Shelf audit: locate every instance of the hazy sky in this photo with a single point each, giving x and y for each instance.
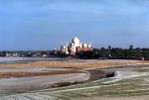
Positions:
(44, 24)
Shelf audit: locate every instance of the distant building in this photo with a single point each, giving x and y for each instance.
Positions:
(75, 47)
(12, 54)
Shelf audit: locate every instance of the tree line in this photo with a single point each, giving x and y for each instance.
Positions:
(116, 53)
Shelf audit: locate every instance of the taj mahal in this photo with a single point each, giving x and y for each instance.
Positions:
(75, 47)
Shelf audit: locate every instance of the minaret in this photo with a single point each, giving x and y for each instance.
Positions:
(67, 52)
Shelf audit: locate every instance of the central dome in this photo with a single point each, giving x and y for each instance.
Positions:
(76, 41)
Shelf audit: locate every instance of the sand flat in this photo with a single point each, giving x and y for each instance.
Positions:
(44, 82)
(38, 82)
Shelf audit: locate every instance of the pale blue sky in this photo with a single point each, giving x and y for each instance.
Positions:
(44, 24)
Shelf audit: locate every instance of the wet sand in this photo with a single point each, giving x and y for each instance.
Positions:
(24, 84)
(58, 78)
(144, 97)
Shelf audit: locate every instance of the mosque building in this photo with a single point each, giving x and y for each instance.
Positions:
(75, 47)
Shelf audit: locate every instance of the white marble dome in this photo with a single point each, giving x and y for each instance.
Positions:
(84, 45)
(76, 41)
(90, 45)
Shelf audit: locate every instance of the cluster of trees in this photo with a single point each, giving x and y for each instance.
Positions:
(116, 53)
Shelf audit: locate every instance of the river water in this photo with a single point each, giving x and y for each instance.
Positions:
(14, 60)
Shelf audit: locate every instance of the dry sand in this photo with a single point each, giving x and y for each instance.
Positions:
(30, 74)
(75, 64)
(16, 79)
(19, 70)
